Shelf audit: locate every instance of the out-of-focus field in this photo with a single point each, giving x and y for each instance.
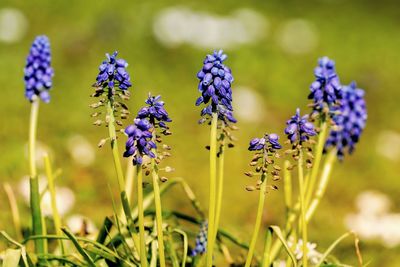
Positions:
(273, 70)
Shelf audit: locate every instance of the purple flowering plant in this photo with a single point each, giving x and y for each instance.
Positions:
(142, 231)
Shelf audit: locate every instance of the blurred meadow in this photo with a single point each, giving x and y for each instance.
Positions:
(272, 48)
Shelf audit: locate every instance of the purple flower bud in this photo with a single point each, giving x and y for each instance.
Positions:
(38, 72)
(299, 129)
(215, 83)
(350, 119)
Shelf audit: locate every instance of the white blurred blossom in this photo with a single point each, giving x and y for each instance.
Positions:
(41, 149)
(13, 25)
(374, 221)
(65, 197)
(297, 36)
(180, 25)
(388, 145)
(81, 150)
(78, 223)
(248, 104)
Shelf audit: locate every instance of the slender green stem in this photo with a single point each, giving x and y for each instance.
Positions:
(157, 202)
(34, 181)
(260, 209)
(287, 182)
(14, 210)
(114, 146)
(213, 184)
(320, 191)
(52, 191)
(267, 249)
(317, 162)
(220, 184)
(143, 258)
(303, 208)
(130, 179)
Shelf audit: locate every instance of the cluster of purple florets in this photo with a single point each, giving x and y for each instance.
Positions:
(113, 73)
(215, 87)
(299, 129)
(350, 120)
(326, 89)
(139, 141)
(155, 111)
(269, 141)
(140, 134)
(201, 240)
(38, 72)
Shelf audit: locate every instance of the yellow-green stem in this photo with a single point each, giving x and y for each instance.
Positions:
(213, 183)
(157, 203)
(37, 227)
(317, 162)
(220, 184)
(14, 210)
(302, 208)
(143, 258)
(320, 191)
(130, 179)
(114, 146)
(52, 191)
(267, 249)
(260, 209)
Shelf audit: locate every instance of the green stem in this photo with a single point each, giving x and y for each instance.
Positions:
(157, 202)
(302, 207)
(260, 209)
(220, 184)
(52, 191)
(287, 188)
(130, 179)
(320, 191)
(317, 162)
(36, 212)
(267, 249)
(213, 178)
(114, 146)
(143, 258)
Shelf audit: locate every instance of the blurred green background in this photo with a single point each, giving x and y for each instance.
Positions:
(273, 47)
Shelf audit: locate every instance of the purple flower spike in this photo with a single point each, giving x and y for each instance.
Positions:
(269, 141)
(112, 73)
(215, 87)
(201, 240)
(139, 140)
(350, 119)
(299, 129)
(326, 89)
(38, 72)
(155, 112)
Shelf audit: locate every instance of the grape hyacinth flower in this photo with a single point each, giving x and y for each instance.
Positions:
(139, 141)
(155, 112)
(350, 121)
(326, 89)
(38, 72)
(261, 143)
(201, 240)
(215, 87)
(112, 73)
(263, 161)
(299, 129)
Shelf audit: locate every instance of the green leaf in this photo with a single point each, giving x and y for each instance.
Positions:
(331, 247)
(279, 234)
(12, 257)
(81, 251)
